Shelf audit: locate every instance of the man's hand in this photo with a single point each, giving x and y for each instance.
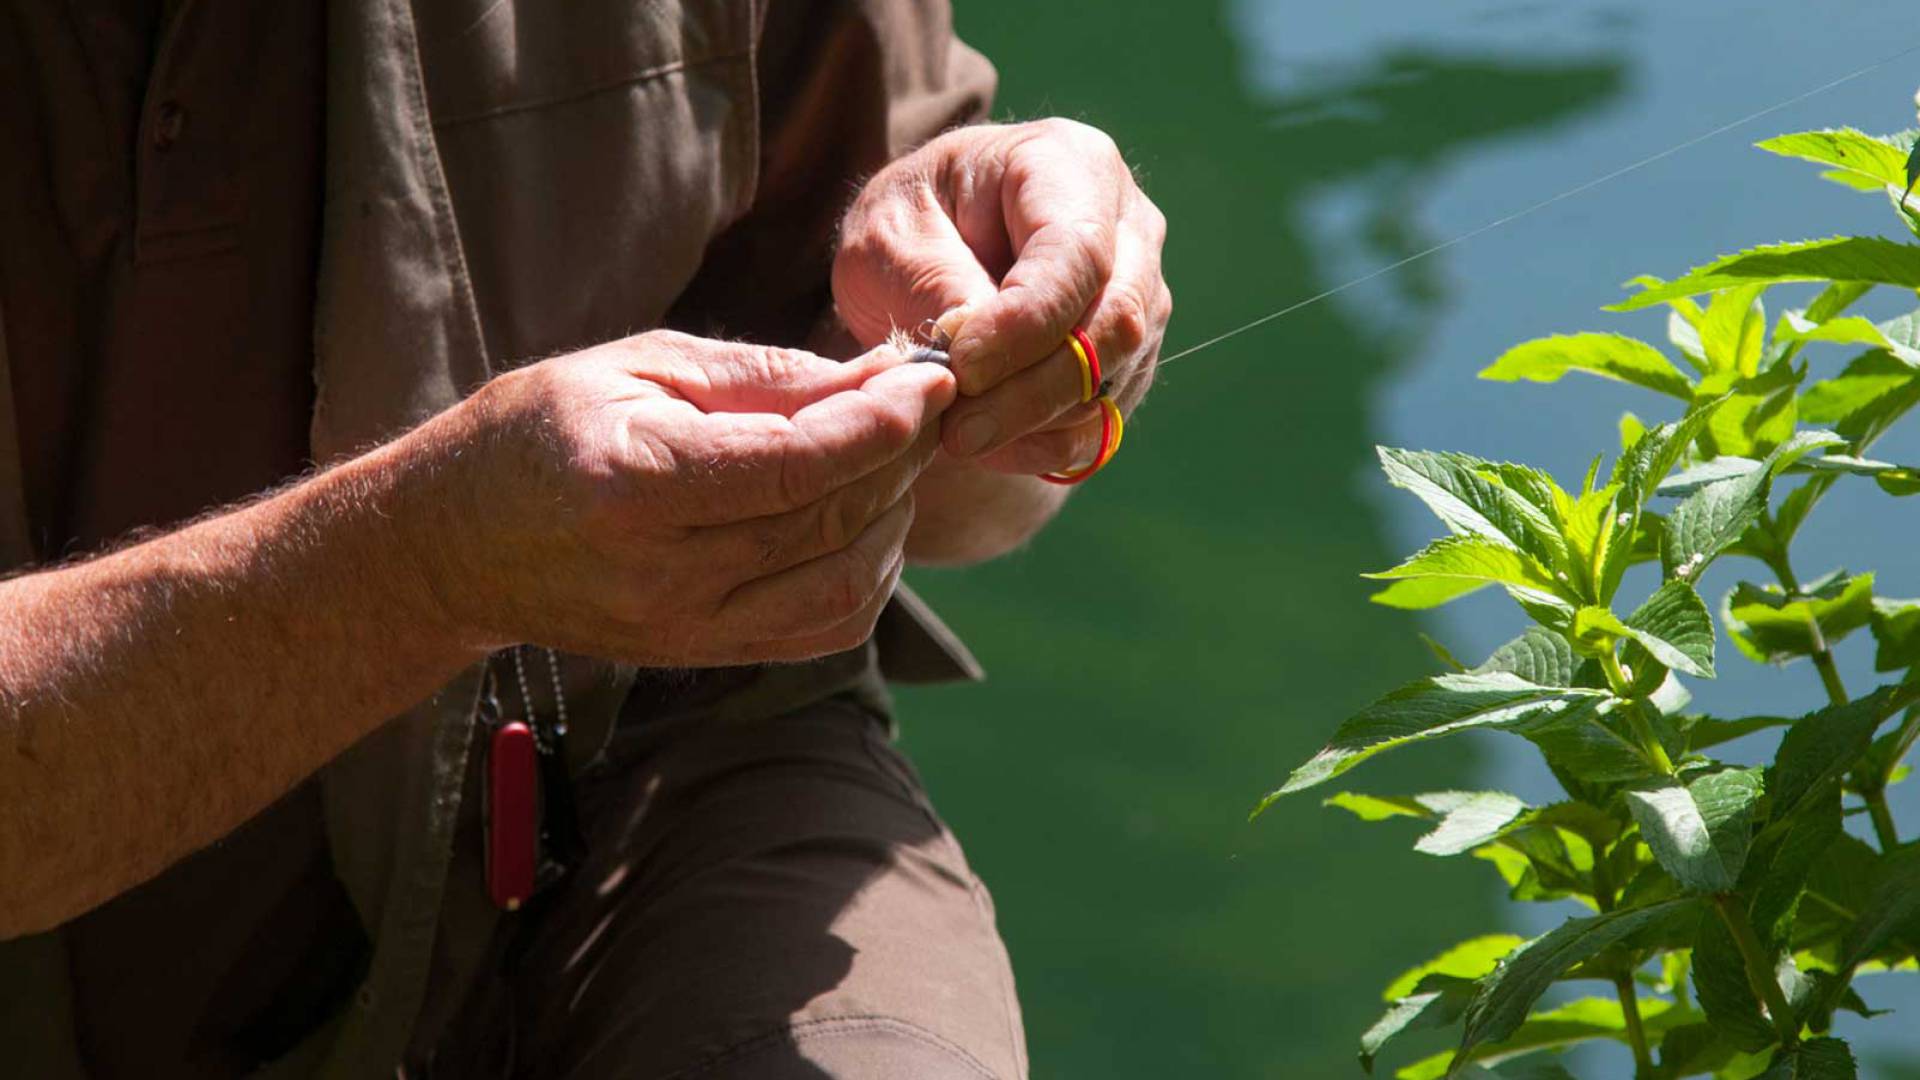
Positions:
(1038, 227)
(662, 500)
(674, 501)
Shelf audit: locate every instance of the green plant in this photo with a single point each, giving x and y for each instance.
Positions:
(1731, 910)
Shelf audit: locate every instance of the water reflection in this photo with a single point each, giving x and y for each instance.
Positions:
(1195, 626)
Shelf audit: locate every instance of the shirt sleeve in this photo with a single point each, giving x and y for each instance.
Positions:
(844, 87)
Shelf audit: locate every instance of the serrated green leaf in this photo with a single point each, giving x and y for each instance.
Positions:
(1538, 656)
(1683, 332)
(1874, 390)
(1840, 258)
(1781, 860)
(1472, 561)
(1771, 628)
(1838, 883)
(1631, 429)
(1853, 152)
(1611, 356)
(1896, 634)
(1734, 331)
(1469, 496)
(1433, 707)
(1468, 819)
(1846, 330)
(1418, 594)
(1699, 831)
(1705, 732)
(1518, 1070)
(1692, 1049)
(1438, 1003)
(1891, 910)
(1577, 1021)
(1759, 412)
(1377, 807)
(1506, 996)
(1711, 471)
(1673, 625)
(1598, 746)
(1814, 1059)
(1821, 747)
(1470, 959)
(1714, 517)
(1721, 985)
(1642, 467)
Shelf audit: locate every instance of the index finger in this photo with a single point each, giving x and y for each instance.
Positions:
(743, 465)
(1062, 196)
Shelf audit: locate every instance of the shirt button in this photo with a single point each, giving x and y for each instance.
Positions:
(168, 122)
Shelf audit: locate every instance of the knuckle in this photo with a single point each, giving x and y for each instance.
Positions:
(1129, 323)
(797, 478)
(1156, 220)
(837, 523)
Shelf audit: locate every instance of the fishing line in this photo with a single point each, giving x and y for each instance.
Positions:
(1541, 205)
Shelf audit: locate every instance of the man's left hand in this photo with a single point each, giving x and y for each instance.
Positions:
(1039, 228)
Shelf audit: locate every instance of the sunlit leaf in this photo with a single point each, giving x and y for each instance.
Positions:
(1673, 625)
(1758, 414)
(1471, 562)
(1611, 356)
(1437, 1002)
(1470, 959)
(1577, 1021)
(1538, 656)
(1433, 707)
(1699, 831)
(1508, 995)
(1712, 518)
(1840, 258)
(1771, 627)
(1470, 498)
(1846, 149)
(1896, 634)
(1734, 331)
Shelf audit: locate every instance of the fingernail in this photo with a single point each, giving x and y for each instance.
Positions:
(972, 434)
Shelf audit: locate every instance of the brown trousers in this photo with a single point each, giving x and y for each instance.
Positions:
(766, 898)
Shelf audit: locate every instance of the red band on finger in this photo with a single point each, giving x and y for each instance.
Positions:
(1093, 362)
(1112, 429)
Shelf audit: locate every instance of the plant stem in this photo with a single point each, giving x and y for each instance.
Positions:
(1760, 972)
(1884, 830)
(1874, 788)
(1636, 716)
(1822, 655)
(1636, 1033)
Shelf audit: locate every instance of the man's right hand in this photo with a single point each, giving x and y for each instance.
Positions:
(673, 501)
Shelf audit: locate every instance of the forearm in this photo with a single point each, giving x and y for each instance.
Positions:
(966, 514)
(153, 699)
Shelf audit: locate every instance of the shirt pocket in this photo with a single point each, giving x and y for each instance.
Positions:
(592, 148)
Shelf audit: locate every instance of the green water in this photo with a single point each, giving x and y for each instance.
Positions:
(1194, 626)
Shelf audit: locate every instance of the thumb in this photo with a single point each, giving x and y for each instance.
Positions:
(904, 271)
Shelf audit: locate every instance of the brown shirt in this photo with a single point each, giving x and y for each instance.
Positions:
(157, 260)
(159, 230)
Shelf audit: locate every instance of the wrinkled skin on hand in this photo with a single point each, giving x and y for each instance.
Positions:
(678, 502)
(1036, 228)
